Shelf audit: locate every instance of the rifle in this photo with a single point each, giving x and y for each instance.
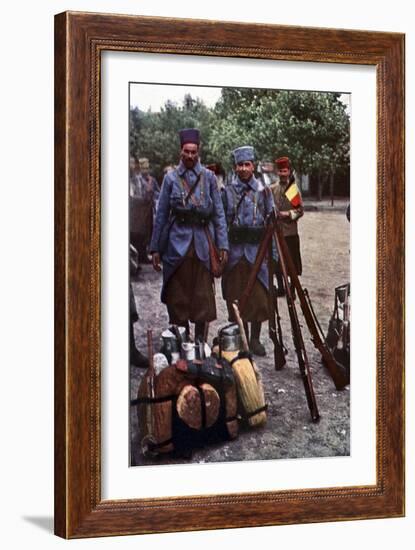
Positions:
(338, 377)
(262, 250)
(274, 231)
(279, 352)
(266, 245)
(277, 314)
(298, 338)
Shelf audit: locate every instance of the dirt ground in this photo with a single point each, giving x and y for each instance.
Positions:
(289, 431)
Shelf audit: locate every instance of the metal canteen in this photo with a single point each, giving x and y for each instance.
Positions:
(189, 350)
(230, 338)
(170, 344)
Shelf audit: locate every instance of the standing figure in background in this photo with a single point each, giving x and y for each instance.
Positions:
(267, 173)
(287, 198)
(247, 205)
(189, 220)
(217, 169)
(144, 193)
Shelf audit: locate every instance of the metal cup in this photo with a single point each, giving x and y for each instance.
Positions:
(188, 351)
(230, 338)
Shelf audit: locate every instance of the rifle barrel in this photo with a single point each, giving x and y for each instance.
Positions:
(262, 250)
(296, 333)
(279, 357)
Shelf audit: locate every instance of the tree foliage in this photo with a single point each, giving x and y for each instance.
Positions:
(312, 128)
(155, 135)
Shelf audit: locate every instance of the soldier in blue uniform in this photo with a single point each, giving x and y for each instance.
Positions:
(189, 213)
(247, 205)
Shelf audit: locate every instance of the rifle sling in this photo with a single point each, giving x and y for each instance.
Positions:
(190, 190)
(241, 198)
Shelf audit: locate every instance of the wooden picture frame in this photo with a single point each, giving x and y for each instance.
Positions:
(79, 40)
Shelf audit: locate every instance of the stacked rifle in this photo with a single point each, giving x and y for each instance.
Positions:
(274, 234)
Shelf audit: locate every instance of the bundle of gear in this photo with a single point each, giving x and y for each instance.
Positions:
(338, 333)
(192, 396)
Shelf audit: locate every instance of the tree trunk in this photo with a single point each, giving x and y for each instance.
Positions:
(332, 186)
(299, 180)
(319, 186)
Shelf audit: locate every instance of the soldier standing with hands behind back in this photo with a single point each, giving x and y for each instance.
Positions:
(288, 201)
(189, 218)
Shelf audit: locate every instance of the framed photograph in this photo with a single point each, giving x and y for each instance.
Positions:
(172, 411)
(216, 111)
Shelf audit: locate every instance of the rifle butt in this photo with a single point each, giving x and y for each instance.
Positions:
(311, 401)
(339, 379)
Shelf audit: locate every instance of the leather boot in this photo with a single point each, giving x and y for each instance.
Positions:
(185, 325)
(255, 345)
(201, 331)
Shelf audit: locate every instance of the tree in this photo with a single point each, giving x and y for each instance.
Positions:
(155, 135)
(136, 117)
(312, 128)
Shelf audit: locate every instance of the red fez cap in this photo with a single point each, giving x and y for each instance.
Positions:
(189, 135)
(283, 162)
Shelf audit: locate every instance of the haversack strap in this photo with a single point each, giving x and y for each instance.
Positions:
(150, 400)
(202, 406)
(257, 411)
(241, 355)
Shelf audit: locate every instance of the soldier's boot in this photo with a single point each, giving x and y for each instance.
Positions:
(201, 331)
(186, 326)
(136, 357)
(142, 254)
(255, 345)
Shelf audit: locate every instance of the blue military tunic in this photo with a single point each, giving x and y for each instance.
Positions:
(257, 203)
(144, 187)
(171, 239)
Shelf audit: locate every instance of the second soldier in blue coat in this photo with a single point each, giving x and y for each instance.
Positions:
(189, 206)
(247, 205)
